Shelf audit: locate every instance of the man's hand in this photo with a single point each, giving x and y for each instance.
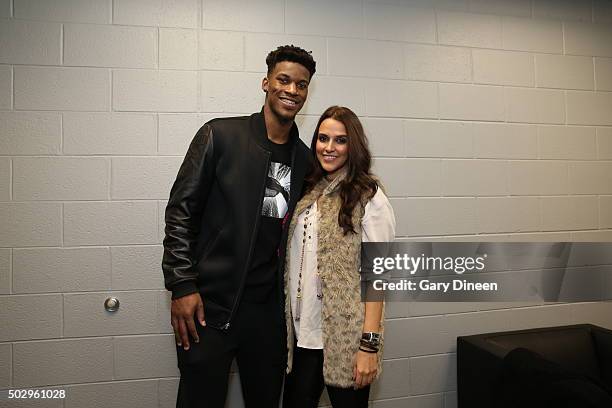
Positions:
(365, 368)
(181, 313)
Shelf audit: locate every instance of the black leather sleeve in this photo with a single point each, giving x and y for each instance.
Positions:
(183, 214)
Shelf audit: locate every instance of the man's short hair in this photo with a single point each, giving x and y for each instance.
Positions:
(291, 53)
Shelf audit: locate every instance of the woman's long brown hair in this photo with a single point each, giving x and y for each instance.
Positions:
(359, 183)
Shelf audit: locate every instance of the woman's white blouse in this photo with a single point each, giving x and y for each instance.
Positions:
(378, 225)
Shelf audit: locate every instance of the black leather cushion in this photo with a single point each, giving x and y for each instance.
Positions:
(530, 380)
(603, 349)
(572, 348)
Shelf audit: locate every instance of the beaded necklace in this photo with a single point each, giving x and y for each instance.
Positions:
(298, 303)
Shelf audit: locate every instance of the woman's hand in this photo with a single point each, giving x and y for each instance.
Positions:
(365, 368)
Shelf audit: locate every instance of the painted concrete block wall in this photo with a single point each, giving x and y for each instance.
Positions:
(488, 120)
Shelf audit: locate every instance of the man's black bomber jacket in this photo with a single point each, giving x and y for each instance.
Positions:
(213, 212)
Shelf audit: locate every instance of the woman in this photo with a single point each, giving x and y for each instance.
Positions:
(334, 339)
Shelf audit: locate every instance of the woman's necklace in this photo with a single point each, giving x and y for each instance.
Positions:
(298, 303)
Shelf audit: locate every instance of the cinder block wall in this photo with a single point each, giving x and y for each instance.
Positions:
(489, 120)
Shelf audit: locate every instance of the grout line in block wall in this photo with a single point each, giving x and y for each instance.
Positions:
(93, 156)
(11, 289)
(157, 46)
(563, 36)
(11, 183)
(157, 218)
(157, 129)
(112, 11)
(12, 104)
(599, 214)
(472, 145)
(507, 178)
(110, 177)
(437, 102)
(112, 80)
(84, 246)
(594, 75)
(62, 317)
(62, 224)
(62, 39)
(435, 26)
(12, 365)
(157, 391)
(567, 179)
(506, 105)
(535, 70)
(363, 19)
(200, 21)
(157, 311)
(110, 256)
(114, 344)
(87, 292)
(471, 55)
(199, 103)
(61, 133)
(541, 213)
(599, 226)
(284, 16)
(117, 381)
(199, 72)
(597, 147)
(565, 106)
(327, 56)
(243, 39)
(538, 144)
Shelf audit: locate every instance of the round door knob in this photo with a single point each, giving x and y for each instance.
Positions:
(111, 304)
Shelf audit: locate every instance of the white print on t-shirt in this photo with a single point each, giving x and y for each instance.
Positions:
(278, 185)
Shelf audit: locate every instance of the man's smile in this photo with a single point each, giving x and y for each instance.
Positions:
(288, 101)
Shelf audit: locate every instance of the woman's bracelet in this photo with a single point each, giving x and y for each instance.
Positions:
(363, 344)
(373, 345)
(370, 340)
(367, 350)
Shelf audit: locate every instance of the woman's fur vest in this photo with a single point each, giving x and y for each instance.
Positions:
(338, 260)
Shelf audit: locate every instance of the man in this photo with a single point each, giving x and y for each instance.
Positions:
(221, 261)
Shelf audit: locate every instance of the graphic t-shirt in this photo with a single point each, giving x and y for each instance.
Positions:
(262, 275)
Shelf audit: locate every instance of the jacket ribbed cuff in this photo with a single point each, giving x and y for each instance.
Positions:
(183, 289)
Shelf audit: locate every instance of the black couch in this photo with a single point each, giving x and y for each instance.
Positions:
(568, 366)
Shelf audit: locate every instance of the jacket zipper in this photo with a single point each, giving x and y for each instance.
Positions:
(281, 266)
(226, 326)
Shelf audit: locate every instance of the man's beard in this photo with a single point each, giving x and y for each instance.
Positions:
(283, 118)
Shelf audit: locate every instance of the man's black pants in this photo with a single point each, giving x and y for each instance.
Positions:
(257, 339)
